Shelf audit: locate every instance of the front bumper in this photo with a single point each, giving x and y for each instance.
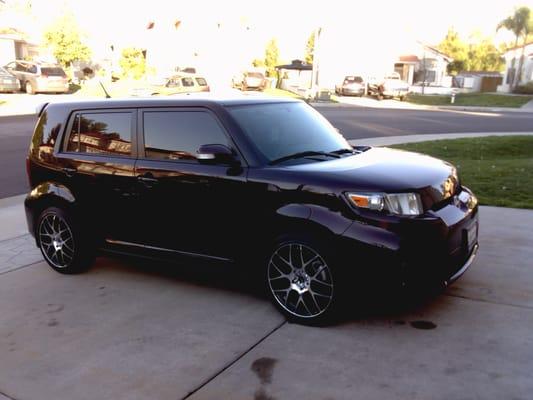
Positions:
(434, 249)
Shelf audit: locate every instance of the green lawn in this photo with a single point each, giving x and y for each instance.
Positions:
(498, 169)
(471, 99)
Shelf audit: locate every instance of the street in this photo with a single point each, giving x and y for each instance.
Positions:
(353, 122)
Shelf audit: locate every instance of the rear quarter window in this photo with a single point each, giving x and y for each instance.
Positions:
(101, 133)
(46, 133)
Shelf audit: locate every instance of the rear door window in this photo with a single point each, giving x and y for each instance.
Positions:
(101, 133)
(187, 82)
(177, 135)
(53, 71)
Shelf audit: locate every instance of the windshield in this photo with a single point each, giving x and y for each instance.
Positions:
(356, 79)
(254, 75)
(53, 71)
(3, 71)
(281, 129)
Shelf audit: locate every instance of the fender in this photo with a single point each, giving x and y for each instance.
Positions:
(53, 189)
(46, 192)
(317, 216)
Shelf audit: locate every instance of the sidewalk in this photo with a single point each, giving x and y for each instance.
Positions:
(403, 105)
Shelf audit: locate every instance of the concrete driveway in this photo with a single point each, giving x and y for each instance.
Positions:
(141, 330)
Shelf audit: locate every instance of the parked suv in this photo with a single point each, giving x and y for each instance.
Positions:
(267, 183)
(35, 77)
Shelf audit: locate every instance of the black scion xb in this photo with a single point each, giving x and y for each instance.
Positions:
(265, 182)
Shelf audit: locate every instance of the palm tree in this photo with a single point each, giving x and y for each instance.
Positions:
(521, 24)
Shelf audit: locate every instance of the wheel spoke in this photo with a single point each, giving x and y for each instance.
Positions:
(304, 293)
(56, 240)
(279, 270)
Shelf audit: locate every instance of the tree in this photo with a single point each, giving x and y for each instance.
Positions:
(479, 54)
(310, 48)
(133, 63)
(453, 46)
(258, 63)
(64, 38)
(521, 25)
(484, 56)
(271, 57)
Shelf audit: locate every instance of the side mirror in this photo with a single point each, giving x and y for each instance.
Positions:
(216, 153)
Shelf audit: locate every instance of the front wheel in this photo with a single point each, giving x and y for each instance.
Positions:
(63, 245)
(301, 281)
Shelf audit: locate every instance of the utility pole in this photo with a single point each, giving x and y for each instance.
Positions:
(316, 58)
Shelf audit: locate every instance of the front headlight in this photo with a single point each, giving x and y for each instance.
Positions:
(394, 203)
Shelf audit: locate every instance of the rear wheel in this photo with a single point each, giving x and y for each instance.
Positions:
(62, 242)
(302, 282)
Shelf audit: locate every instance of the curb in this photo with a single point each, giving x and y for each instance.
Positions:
(421, 107)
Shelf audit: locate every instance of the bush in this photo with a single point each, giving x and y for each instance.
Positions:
(525, 89)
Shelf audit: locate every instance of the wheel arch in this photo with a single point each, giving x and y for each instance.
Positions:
(44, 195)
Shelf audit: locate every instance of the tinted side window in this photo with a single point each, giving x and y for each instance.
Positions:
(187, 82)
(177, 135)
(101, 133)
(201, 81)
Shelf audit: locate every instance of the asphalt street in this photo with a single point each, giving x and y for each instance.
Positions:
(353, 122)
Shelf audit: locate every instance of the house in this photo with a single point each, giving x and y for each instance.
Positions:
(423, 65)
(14, 47)
(346, 50)
(478, 81)
(510, 71)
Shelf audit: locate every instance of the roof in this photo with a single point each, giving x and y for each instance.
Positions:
(409, 58)
(518, 47)
(184, 99)
(481, 73)
(435, 50)
(296, 65)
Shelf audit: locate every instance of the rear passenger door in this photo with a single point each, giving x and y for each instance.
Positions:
(187, 205)
(97, 164)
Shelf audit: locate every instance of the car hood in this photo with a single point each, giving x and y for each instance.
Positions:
(384, 170)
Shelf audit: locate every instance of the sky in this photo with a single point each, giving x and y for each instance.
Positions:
(289, 21)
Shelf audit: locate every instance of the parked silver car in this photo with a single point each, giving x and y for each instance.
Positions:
(8, 82)
(37, 77)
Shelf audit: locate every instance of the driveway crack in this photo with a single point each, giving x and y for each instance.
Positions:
(490, 302)
(2, 395)
(231, 363)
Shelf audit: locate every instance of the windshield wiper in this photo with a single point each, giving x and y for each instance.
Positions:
(303, 154)
(344, 151)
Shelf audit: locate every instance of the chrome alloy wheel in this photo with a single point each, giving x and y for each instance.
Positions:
(300, 280)
(56, 240)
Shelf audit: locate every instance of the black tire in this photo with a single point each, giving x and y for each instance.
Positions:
(310, 295)
(62, 240)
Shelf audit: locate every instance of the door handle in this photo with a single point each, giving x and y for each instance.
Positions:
(69, 171)
(147, 179)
